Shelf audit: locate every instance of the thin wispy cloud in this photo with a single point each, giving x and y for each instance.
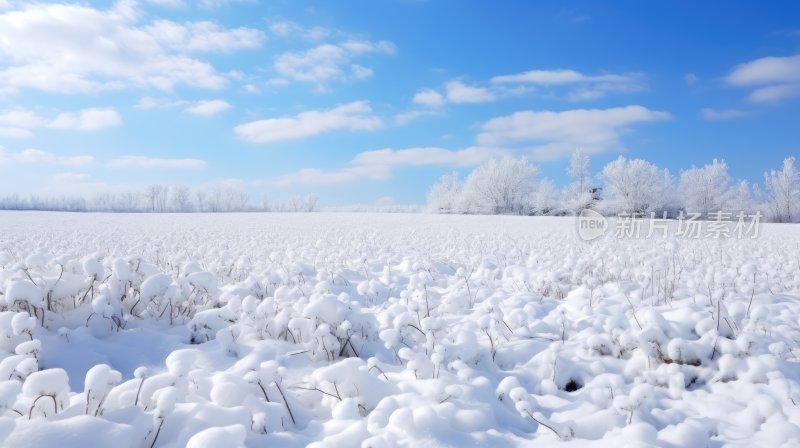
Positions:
(379, 165)
(156, 162)
(428, 156)
(330, 62)
(290, 29)
(579, 86)
(72, 178)
(208, 108)
(309, 177)
(38, 156)
(723, 114)
(774, 79)
(355, 116)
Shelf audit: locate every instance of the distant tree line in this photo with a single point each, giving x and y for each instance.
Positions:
(510, 186)
(158, 198)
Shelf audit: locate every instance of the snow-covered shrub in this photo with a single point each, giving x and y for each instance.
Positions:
(99, 381)
(45, 393)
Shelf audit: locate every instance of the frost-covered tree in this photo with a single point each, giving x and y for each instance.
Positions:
(579, 194)
(128, 201)
(636, 186)
(201, 197)
(154, 194)
(579, 169)
(740, 198)
(542, 201)
(295, 203)
(310, 202)
(445, 194)
(574, 199)
(181, 199)
(100, 201)
(783, 192)
(266, 204)
(707, 189)
(499, 186)
(215, 199)
(235, 199)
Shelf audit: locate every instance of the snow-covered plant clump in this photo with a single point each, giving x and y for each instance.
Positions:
(384, 330)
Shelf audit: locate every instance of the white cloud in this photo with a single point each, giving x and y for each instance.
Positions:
(361, 72)
(722, 114)
(559, 133)
(429, 156)
(458, 92)
(22, 118)
(384, 201)
(250, 89)
(149, 102)
(154, 162)
(330, 62)
(429, 98)
(18, 123)
(168, 3)
(409, 116)
(208, 108)
(214, 4)
(543, 77)
(583, 94)
(284, 28)
(37, 156)
(202, 108)
(76, 183)
(19, 133)
(429, 102)
(769, 70)
(72, 178)
(776, 78)
(277, 82)
(70, 48)
(691, 79)
(315, 177)
(581, 86)
(558, 77)
(774, 94)
(379, 164)
(87, 119)
(203, 36)
(355, 116)
(292, 29)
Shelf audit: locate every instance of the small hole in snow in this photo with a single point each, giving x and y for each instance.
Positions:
(573, 385)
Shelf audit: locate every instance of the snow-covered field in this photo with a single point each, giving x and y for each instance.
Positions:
(383, 330)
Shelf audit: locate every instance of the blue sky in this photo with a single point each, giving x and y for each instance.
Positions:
(362, 100)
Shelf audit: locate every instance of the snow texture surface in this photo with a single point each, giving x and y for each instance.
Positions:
(245, 330)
